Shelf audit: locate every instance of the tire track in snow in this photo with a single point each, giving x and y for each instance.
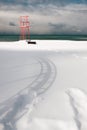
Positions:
(12, 109)
(78, 101)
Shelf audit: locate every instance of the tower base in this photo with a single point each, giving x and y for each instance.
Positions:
(31, 42)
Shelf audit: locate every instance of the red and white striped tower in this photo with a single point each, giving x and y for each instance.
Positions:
(24, 28)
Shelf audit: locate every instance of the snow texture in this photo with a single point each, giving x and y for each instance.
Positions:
(78, 100)
(43, 86)
(49, 45)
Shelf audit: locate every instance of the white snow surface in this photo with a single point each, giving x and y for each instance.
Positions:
(45, 45)
(43, 86)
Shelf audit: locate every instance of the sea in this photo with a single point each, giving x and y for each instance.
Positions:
(9, 37)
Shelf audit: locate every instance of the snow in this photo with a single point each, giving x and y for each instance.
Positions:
(45, 45)
(43, 86)
(78, 100)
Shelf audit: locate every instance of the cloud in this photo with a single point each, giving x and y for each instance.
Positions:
(64, 29)
(43, 2)
(46, 19)
(12, 24)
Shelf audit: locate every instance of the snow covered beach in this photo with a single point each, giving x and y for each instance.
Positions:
(43, 86)
(45, 45)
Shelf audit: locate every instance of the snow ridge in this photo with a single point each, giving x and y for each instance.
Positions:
(23, 102)
(78, 100)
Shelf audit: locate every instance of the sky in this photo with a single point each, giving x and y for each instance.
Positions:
(45, 16)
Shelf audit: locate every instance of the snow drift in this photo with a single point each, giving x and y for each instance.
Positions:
(43, 86)
(78, 101)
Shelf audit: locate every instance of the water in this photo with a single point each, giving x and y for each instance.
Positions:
(44, 37)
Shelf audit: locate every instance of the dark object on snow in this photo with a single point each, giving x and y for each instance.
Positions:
(30, 42)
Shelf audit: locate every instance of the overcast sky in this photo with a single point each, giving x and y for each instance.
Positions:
(46, 16)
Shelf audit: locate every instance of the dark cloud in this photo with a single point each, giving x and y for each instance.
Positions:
(46, 16)
(12, 24)
(43, 2)
(66, 29)
(57, 27)
(7, 2)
